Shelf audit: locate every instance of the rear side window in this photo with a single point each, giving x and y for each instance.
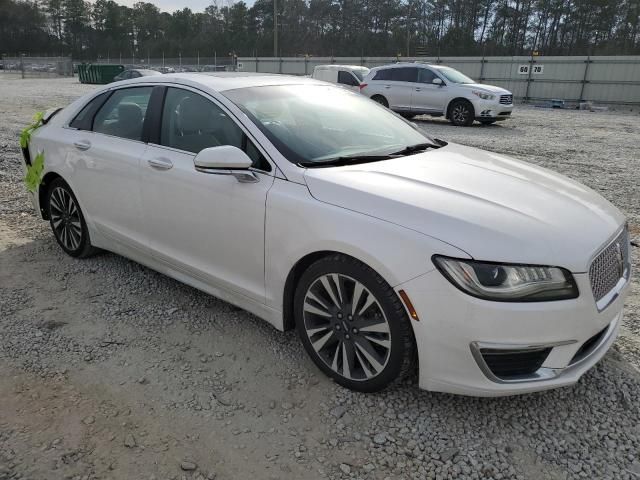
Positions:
(123, 114)
(383, 74)
(83, 120)
(404, 74)
(347, 79)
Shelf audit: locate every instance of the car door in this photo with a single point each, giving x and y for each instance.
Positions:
(428, 97)
(209, 226)
(107, 146)
(403, 82)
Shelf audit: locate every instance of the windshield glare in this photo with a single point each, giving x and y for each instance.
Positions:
(454, 75)
(316, 123)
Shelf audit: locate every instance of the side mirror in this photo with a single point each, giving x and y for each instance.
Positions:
(437, 81)
(225, 157)
(225, 160)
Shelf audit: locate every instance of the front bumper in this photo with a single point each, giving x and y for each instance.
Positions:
(492, 110)
(455, 330)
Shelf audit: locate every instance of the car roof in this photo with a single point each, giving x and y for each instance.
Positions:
(222, 81)
(337, 67)
(406, 64)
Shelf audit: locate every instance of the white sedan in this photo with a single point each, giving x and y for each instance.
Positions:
(316, 208)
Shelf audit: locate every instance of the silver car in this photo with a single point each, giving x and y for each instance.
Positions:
(416, 89)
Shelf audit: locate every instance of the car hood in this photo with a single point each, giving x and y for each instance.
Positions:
(491, 206)
(485, 88)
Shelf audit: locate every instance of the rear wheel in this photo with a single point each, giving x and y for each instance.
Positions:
(67, 222)
(461, 113)
(353, 325)
(381, 100)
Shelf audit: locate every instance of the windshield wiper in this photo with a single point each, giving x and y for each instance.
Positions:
(418, 147)
(355, 159)
(347, 160)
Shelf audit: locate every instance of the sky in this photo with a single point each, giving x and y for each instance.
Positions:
(172, 5)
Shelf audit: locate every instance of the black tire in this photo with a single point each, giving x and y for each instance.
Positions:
(487, 122)
(385, 311)
(67, 221)
(381, 100)
(461, 113)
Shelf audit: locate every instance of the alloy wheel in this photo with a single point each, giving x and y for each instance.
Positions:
(460, 113)
(347, 327)
(65, 218)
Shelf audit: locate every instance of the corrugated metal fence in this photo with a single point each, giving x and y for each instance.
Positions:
(602, 79)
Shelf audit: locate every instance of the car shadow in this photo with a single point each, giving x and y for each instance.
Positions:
(110, 300)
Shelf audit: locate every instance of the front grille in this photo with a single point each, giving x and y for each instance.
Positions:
(509, 364)
(506, 99)
(609, 266)
(588, 346)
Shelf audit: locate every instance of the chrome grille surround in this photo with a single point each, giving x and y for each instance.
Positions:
(610, 265)
(506, 99)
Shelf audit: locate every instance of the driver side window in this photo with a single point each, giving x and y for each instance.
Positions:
(426, 76)
(190, 122)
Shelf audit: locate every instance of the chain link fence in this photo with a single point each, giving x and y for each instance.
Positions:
(174, 64)
(36, 67)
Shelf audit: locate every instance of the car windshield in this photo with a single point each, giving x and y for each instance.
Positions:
(317, 123)
(454, 75)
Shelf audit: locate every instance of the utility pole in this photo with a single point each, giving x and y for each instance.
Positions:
(275, 28)
(408, 30)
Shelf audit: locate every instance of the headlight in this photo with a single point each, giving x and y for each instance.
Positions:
(483, 95)
(508, 282)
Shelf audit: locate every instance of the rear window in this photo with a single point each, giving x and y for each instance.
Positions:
(347, 79)
(83, 120)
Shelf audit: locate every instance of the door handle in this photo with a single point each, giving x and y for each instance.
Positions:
(82, 145)
(387, 86)
(160, 163)
(418, 89)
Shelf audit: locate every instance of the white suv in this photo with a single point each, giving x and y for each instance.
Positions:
(416, 89)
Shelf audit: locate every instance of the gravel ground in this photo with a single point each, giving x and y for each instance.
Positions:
(109, 370)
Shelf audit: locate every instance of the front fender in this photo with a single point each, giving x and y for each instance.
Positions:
(298, 225)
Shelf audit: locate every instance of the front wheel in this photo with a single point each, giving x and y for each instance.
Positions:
(67, 222)
(461, 113)
(353, 325)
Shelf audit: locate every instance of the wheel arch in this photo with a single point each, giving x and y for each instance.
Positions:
(452, 101)
(42, 193)
(373, 97)
(298, 269)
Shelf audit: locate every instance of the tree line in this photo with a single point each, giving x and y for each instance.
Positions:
(104, 28)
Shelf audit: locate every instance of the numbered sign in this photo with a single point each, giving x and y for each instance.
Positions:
(523, 69)
(538, 69)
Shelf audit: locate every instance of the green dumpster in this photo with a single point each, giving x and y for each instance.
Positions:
(98, 73)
